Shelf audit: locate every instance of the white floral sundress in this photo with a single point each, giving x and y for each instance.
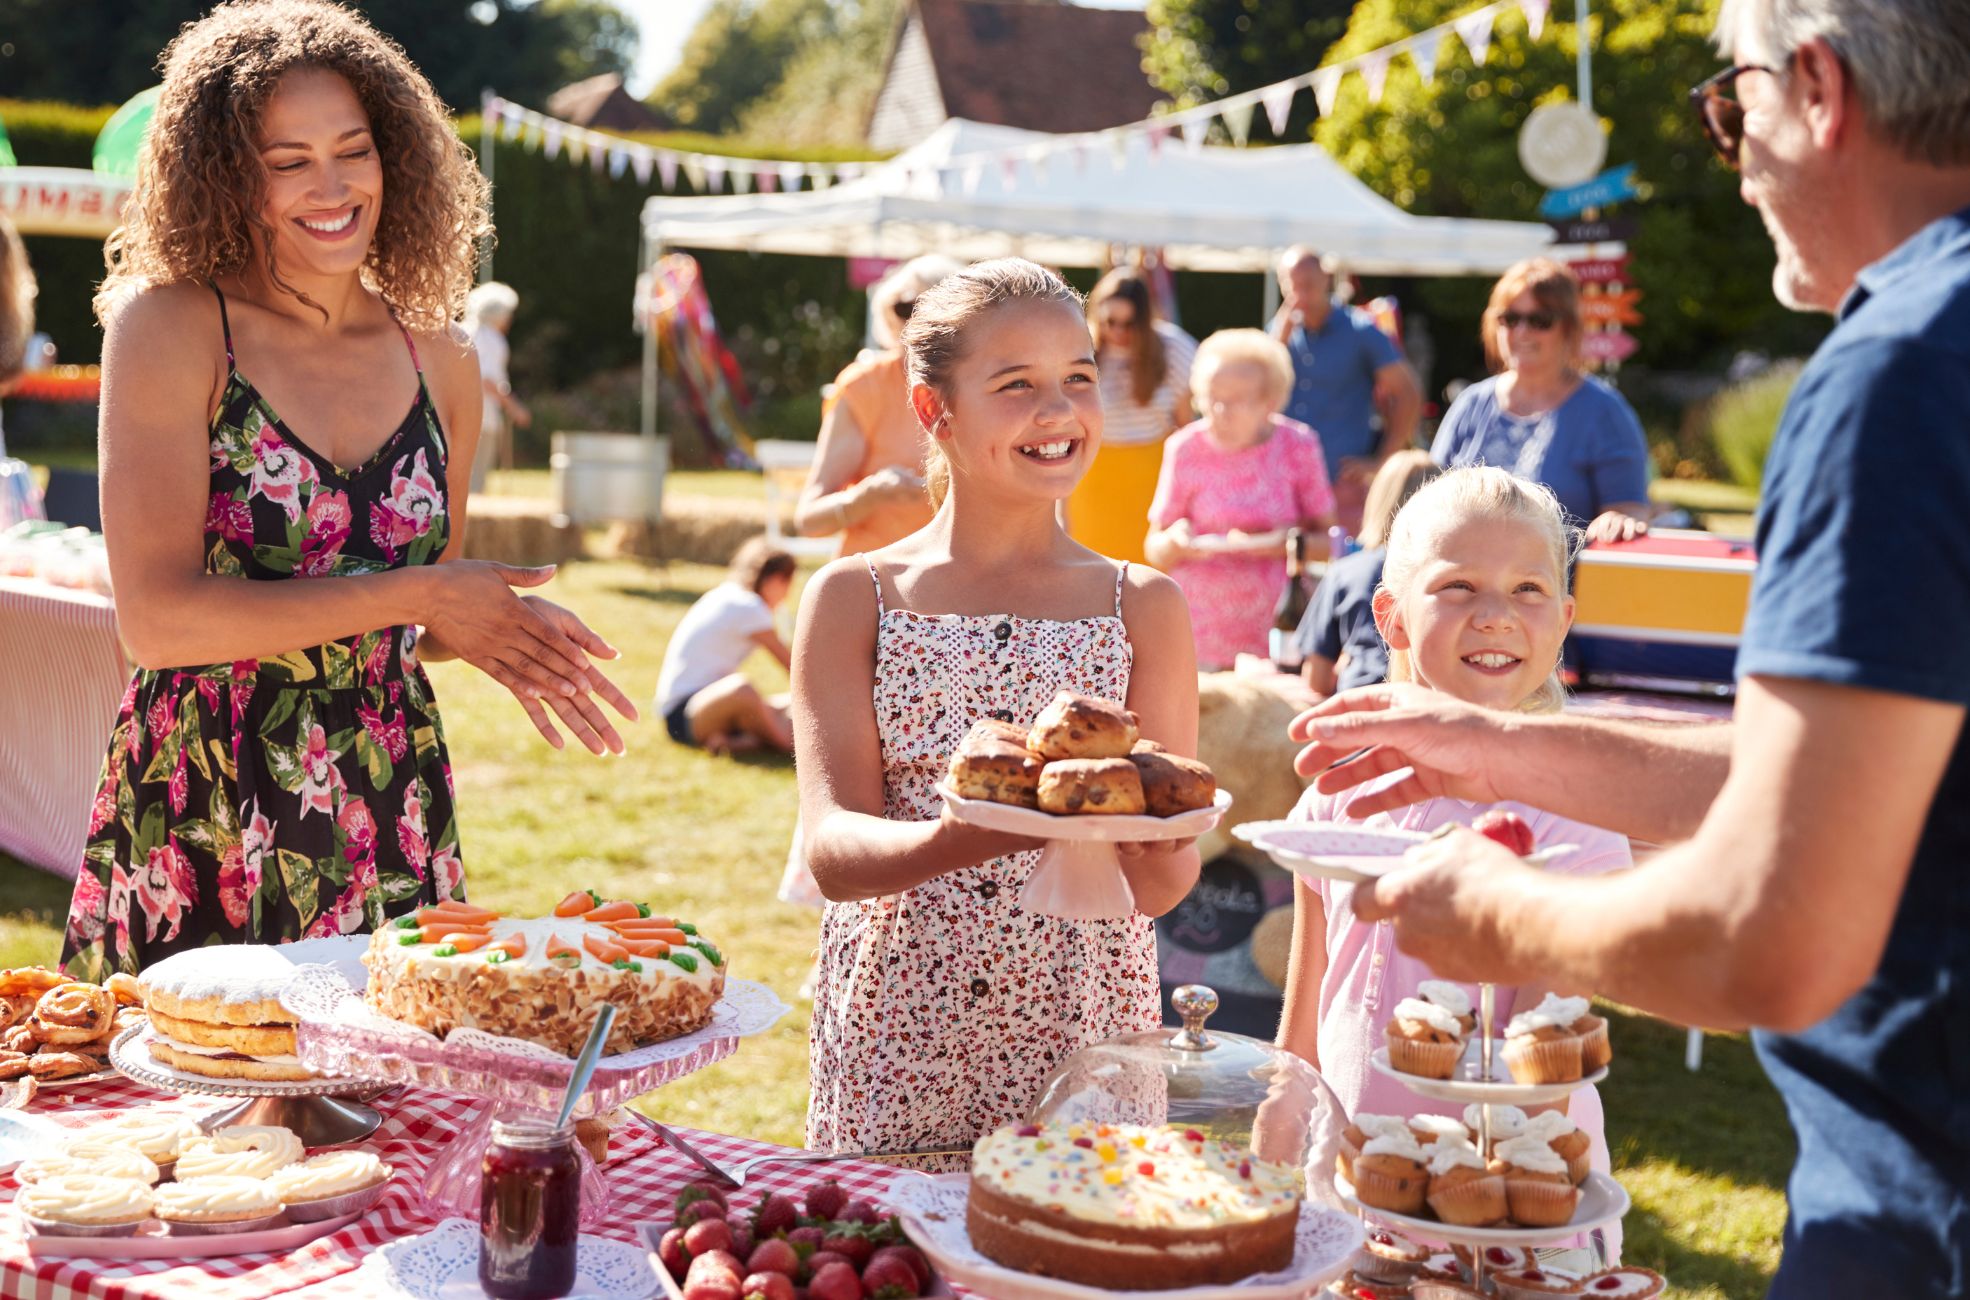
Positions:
(939, 1011)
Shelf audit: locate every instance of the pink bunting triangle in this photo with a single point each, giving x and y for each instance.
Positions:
(715, 173)
(769, 181)
(1278, 101)
(550, 138)
(666, 169)
(1157, 132)
(1326, 90)
(1375, 72)
(1475, 29)
(598, 152)
(1009, 170)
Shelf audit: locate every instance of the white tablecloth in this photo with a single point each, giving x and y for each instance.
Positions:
(62, 678)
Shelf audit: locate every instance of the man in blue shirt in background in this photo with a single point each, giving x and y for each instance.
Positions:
(1345, 372)
(1823, 891)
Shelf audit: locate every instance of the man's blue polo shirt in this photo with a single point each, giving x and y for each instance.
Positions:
(1864, 581)
(1334, 381)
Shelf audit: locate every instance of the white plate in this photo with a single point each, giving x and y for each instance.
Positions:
(1602, 1201)
(933, 1213)
(1469, 1086)
(23, 1136)
(443, 1264)
(1346, 852)
(1090, 827)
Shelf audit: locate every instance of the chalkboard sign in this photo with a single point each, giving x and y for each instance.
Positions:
(1232, 932)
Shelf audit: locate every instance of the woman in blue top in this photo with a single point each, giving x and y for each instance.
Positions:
(1544, 420)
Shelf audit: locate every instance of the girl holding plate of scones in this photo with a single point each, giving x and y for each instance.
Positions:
(1472, 602)
(288, 423)
(941, 1004)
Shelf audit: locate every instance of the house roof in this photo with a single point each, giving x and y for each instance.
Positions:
(1038, 64)
(602, 103)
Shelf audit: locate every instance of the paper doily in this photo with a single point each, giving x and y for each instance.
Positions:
(933, 1213)
(444, 1263)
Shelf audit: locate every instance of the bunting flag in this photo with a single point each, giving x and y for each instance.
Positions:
(1535, 15)
(1036, 159)
(515, 122)
(1009, 170)
(850, 171)
(550, 138)
(619, 163)
(790, 174)
(1118, 149)
(971, 177)
(1278, 101)
(1195, 129)
(1080, 148)
(1237, 115)
(694, 172)
(1423, 52)
(597, 152)
(1326, 90)
(715, 173)
(640, 160)
(1475, 30)
(741, 179)
(769, 181)
(1156, 134)
(1375, 72)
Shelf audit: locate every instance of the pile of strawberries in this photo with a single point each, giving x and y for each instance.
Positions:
(826, 1246)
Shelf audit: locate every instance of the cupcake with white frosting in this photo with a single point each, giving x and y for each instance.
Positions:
(1538, 1191)
(1424, 1039)
(1541, 1045)
(1362, 1127)
(1464, 1191)
(331, 1184)
(1430, 1129)
(1391, 1174)
(1560, 1133)
(85, 1205)
(1507, 1122)
(217, 1203)
(1452, 998)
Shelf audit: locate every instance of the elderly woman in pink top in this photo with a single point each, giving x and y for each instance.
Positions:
(1232, 483)
(1473, 602)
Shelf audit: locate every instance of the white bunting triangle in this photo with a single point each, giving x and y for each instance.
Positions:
(639, 163)
(1375, 72)
(694, 172)
(1038, 159)
(1278, 101)
(790, 174)
(1535, 15)
(715, 173)
(1195, 130)
(666, 170)
(970, 179)
(1118, 149)
(515, 120)
(742, 180)
(1237, 117)
(1423, 53)
(618, 162)
(550, 138)
(1326, 90)
(1475, 29)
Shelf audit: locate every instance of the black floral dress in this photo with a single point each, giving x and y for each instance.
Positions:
(302, 795)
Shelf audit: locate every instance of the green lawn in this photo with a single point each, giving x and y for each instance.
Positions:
(1703, 1154)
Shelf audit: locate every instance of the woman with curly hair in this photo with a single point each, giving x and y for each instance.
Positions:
(288, 423)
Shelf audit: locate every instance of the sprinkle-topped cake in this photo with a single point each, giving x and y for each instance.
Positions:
(541, 979)
(1129, 1208)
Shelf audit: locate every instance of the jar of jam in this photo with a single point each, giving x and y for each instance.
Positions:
(529, 1211)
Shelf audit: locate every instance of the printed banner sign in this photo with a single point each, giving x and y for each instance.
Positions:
(1610, 187)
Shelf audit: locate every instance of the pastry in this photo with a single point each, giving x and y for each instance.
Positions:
(218, 1203)
(1463, 1190)
(541, 979)
(1359, 1130)
(993, 763)
(1496, 1258)
(332, 1183)
(593, 1134)
(1537, 1188)
(1541, 1046)
(85, 1205)
(1435, 1288)
(73, 1013)
(1144, 745)
(51, 1063)
(31, 981)
(1627, 1282)
(1388, 1256)
(15, 1008)
(126, 988)
(1452, 998)
(159, 1138)
(1082, 726)
(1535, 1282)
(216, 1012)
(1091, 786)
(1596, 1049)
(1173, 784)
(1424, 1039)
(88, 1158)
(244, 1150)
(1128, 1208)
(1564, 1136)
(1391, 1174)
(1359, 1286)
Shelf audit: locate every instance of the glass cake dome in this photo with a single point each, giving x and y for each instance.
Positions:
(1226, 1086)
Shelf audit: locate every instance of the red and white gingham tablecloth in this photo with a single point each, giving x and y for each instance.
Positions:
(644, 1177)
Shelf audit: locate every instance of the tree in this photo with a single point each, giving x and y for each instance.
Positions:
(1200, 50)
(829, 86)
(104, 51)
(1451, 149)
(738, 52)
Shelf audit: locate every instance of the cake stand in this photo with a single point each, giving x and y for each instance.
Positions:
(1079, 876)
(322, 1112)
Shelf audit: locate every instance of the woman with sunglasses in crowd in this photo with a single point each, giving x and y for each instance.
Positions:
(1541, 418)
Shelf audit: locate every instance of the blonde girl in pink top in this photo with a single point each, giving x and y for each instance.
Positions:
(1473, 602)
(940, 1003)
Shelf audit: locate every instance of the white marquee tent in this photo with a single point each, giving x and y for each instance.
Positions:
(1211, 209)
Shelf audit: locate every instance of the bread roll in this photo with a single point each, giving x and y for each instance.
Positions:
(1082, 726)
(992, 763)
(1106, 786)
(1173, 784)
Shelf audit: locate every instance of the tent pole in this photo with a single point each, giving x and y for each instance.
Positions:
(648, 257)
(1580, 39)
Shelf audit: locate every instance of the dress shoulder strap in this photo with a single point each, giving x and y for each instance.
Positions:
(1121, 577)
(225, 323)
(410, 343)
(877, 579)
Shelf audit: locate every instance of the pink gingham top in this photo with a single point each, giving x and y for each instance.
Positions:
(1367, 974)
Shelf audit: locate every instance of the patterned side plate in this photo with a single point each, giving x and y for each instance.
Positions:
(443, 1264)
(933, 1212)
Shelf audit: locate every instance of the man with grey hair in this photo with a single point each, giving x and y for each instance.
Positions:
(1823, 889)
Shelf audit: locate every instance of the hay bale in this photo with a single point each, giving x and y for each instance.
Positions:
(519, 530)
(1241, 733)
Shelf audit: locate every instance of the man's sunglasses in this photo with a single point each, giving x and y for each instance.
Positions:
(1539, 320)
(1717, 108)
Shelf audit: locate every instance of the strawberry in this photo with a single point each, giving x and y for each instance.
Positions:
(712, 1277)
(699, 1210)
(835, 1282)
(676, 1260)
(776, 1213)
(707, 1235)
(911, 1256)
(702, 1190)
(820, 1259)
(825, 1199)
(858, 1248)
(807, 1240)
(1508, 828)
(774, 1256)
(721, 1261)
(743, 1237)
(890, 1279)
(859, 1211)
(767, 1286)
